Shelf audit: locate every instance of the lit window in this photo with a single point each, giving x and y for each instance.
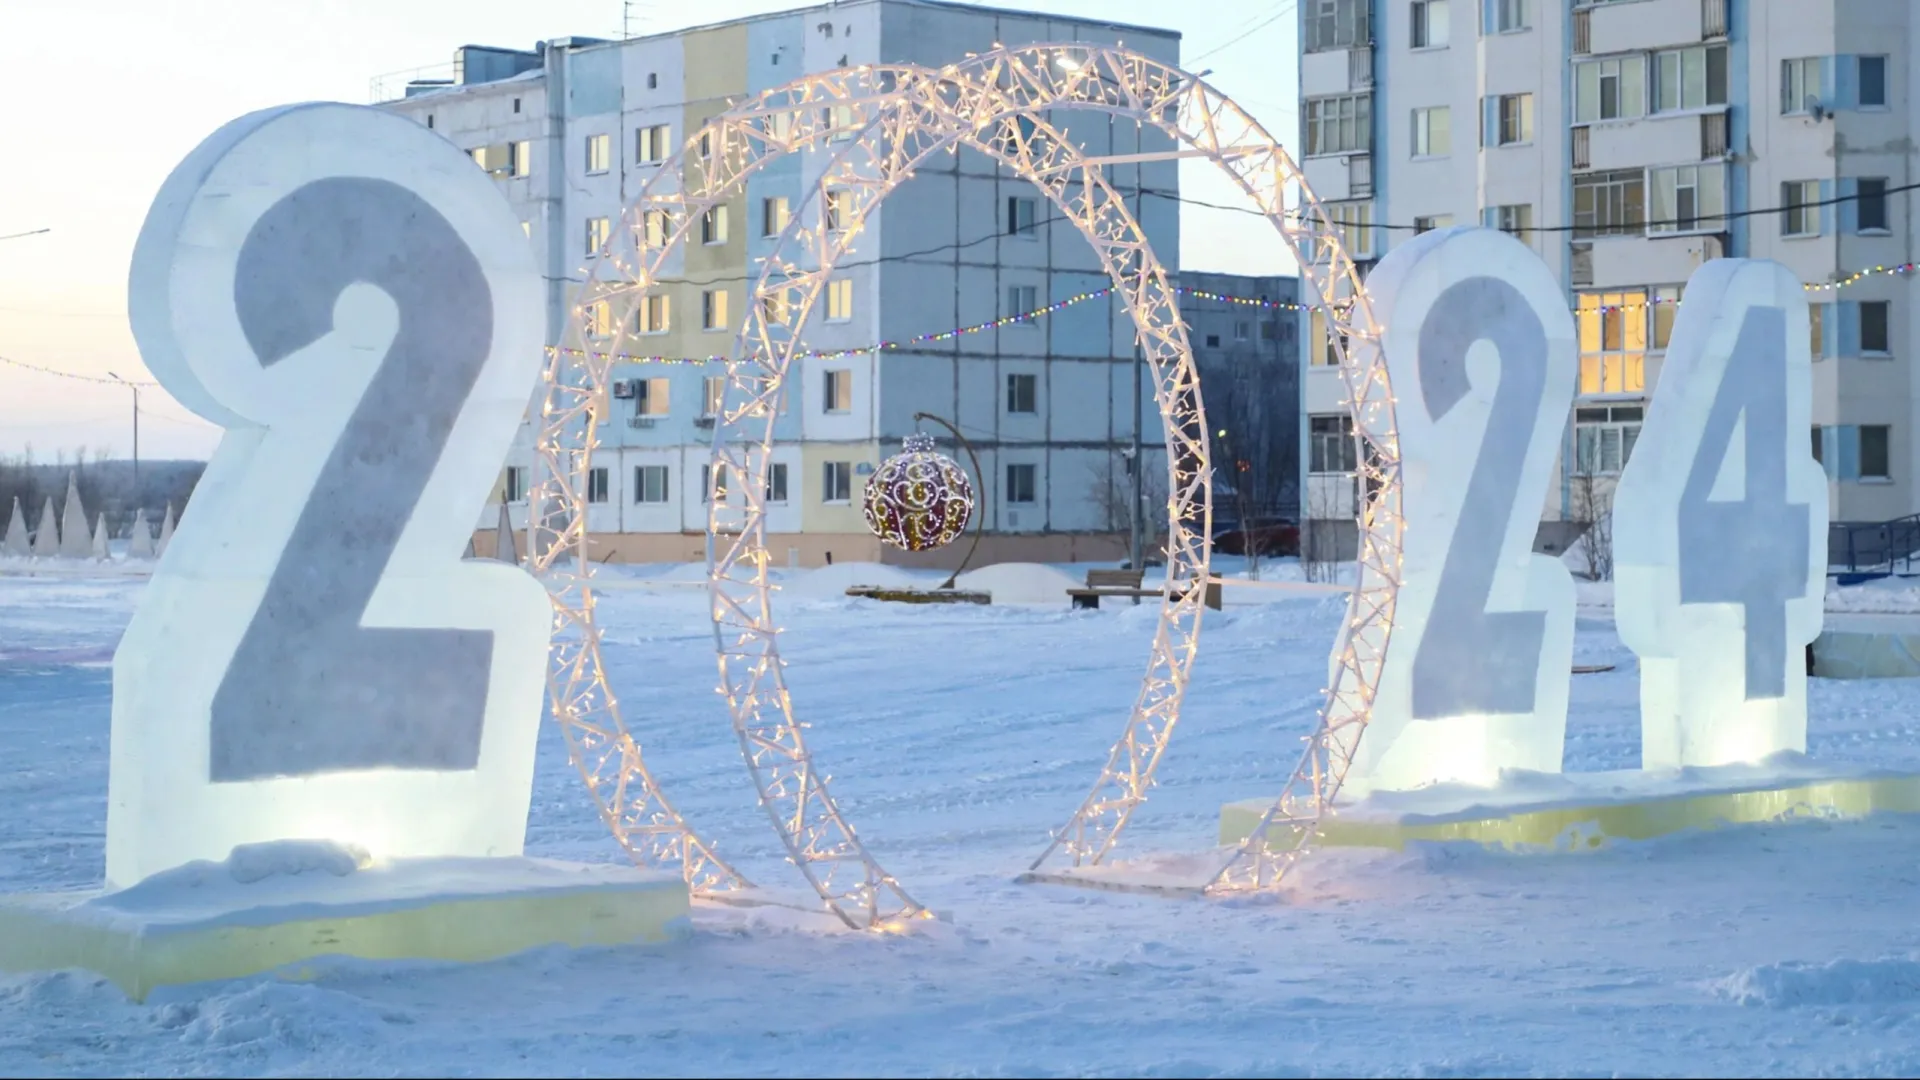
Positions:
(1429, 27)
(1433, 132)
(839, 209)
(774, 215)
(713, 225)
(1687, 198)
(649, 483)
(1515, 119)
(840, 300)
(656, 228)
(599, 153)
(713, 395)
(1800, 208)
(713, 309)
(1613, 342)
(650, 144)
(651, 397)
(838, 392)
(597, 230)
(653, 315)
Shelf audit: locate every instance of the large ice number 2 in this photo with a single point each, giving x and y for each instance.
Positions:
(1471, 660)
(1752, 552)
(333, 694)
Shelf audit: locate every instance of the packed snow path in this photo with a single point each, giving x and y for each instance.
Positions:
(956, 738)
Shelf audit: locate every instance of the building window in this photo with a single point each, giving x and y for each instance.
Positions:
(599, 153)
(1514, 218)
(600, 319)
(1819, 445)
(1613, 342)
(1335, 24)
(839, 120)
(1687, 198)
(1020, 483)
(836, 482)
(654, 225)
(1512, 15)
(650, 144)
(1800, 82)
(1612, 203)
(1242, 330)
(650, 397)
(838, 391)
(713, 225)
(1022, 300)
(1429, 28)
(779, 127)
(1331, 447)
(597, 484)
(713, 395)
(1513, 119)
(1433, 132)
(522, 159)
(526, 229)
(1873, 82)
(513, 484)
(1614, 89)
(1339, 125)
(653, 315)
(1694, 78)
(706, 145)
(713, 309)
(774, 308)
(713, 485)
(1213, 341)
(653, 80)
(1020, 218)
(840, 300)
(597, 230)
(649, 483)
(1876, 318)
(1666, 307)
(774, 215)
(1432, 222)
(1876, 452)
(1817, 330)
(839, 209)
(776, 491)
(1023, 393)
(1800, 208)
(1870, 205)
(1326, 352)
(1604, 438)
(1355, 223)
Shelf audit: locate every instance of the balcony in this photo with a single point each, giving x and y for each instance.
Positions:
(1713, 137)
(1648, 24)
(1582, 149)
(1360, 68)
(1582, 272)
(1661, 139)
(1359, 176)
(1713, 18)
(1582, 32)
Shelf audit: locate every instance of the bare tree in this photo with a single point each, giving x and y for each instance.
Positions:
(1321, 537)
(1593, 515)
(1112, 492)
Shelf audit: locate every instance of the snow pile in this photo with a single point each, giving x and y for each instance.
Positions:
(1838, 982)
(1893, 595)
(1021, 583)
(832, 582)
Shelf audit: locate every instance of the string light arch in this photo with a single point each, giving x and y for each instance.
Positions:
(890, 120)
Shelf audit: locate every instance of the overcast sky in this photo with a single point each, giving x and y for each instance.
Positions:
(109, 95)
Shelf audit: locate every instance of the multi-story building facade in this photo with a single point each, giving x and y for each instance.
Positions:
(1245, 333)
(574, 129)
(1628, 141)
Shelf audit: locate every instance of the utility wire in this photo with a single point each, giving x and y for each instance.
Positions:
(1240, 36)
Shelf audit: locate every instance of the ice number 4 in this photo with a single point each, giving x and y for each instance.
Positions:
(1480, 350)
(355, 304)
(1719, 524)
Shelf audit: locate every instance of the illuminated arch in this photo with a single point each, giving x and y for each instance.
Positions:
(891, 119)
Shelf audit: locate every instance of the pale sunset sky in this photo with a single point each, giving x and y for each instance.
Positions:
(108, 96)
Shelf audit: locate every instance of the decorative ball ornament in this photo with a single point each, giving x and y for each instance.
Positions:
(919, 499)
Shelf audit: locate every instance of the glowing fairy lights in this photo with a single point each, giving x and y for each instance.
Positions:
(918, 499)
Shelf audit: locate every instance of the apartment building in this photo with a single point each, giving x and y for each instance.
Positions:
(1245, 333)
(1627, 142)
(575, 128)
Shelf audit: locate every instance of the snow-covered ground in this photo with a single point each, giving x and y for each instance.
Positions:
(957, 737)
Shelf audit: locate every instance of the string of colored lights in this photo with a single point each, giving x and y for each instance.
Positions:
(1900, 270)
(1903, 269)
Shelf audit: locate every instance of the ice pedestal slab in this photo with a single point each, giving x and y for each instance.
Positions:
(1548, 812)
(276, 905)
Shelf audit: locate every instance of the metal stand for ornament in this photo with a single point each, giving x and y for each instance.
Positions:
(979, 521)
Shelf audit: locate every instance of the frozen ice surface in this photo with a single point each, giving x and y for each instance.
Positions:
(957, 736)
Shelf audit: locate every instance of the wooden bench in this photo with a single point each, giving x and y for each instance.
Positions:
(1126, 583)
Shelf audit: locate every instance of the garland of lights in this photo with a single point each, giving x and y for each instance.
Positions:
(1100, 294)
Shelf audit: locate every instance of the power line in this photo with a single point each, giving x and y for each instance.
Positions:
(1241, 35)
(18, 235)
(22, 364)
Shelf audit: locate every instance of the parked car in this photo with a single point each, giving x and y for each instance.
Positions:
(1264, 536)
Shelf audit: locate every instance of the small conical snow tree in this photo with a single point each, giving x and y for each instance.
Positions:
(16, 543)
(46, 537)
(503, 538)
(100, 538)
(166, 532)
(140, 545)
(76, 540)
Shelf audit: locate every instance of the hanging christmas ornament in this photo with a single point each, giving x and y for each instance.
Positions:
(919, 499)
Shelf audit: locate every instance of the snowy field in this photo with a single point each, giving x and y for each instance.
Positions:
(957, 738)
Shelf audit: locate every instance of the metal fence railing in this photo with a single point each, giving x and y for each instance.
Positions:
(1864, 546)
